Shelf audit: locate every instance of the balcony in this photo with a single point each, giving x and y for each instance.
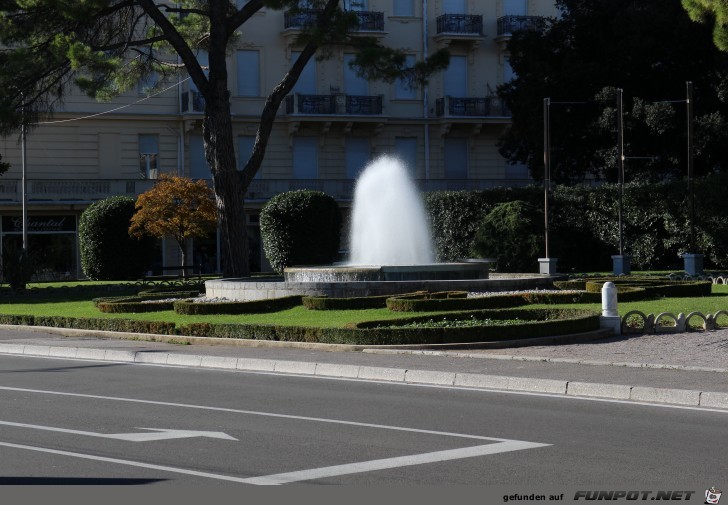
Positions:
(508, 25)
(491, 106)
(459, 27)
(294, 21)
(192, 101)
(334, 104)
(70, 190)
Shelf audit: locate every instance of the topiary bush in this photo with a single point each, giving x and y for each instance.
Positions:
(17, 266)
(513, 233)
(107, 250)
(300, 228)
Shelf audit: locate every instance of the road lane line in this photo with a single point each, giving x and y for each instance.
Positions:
(398, 462)
(316, 473)
(256, 413)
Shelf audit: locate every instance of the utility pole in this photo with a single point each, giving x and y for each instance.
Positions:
(23, 155)
(546, 167)
(691, 193)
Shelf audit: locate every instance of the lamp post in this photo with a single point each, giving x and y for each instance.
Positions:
(620, 262)
(23, 155)
(693, 262)
(547, 265)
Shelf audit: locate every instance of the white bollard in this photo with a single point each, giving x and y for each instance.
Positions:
(609, 300)
(610, 315)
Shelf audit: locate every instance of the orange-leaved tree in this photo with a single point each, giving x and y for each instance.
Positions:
(178, 207)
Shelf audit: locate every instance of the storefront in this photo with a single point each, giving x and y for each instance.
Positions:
(52, 241)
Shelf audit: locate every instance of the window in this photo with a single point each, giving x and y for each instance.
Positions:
(306, 84)
(145, 87)
(406, 150)
(403, 8)
(508, 73)
(248, 63)
(358, 154)
(239, 4)
(199, 169)
(353, 84)
(515, 7)
(245, 147)
(401, 90)
(305, 157)
(454, 7)
(148, 156)
(204, 62)
(456, 77)
(355, 5)
(456, 158)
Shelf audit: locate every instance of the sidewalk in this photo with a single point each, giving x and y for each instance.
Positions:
(688, 369)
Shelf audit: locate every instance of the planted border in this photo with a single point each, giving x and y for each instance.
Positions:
(187, 307)
(357, 303)
(123, 325)
(536, 324)
(427, 303)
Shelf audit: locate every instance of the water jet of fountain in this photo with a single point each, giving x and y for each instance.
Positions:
(389, 224)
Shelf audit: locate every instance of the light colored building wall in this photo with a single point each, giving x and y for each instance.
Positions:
(91, 141)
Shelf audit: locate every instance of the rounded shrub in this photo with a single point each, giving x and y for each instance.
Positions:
(107, 250)
(300, 228)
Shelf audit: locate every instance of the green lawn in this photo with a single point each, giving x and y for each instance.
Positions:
(80, 305)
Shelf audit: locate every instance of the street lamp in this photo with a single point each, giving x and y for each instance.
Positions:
(620, 262)
(547, 265)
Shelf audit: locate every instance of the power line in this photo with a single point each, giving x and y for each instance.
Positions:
(113, 110)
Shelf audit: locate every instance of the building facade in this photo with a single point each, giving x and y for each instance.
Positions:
(326, 131)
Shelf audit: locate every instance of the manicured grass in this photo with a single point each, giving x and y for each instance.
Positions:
(297, 316)
(80, 305)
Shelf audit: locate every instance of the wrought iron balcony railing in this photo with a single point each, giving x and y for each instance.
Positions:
(511, 24)
(460, 24)
(338, 103)
(471, 107)
(42, 191)
(71, 190)
(343, 189)
(368, 21)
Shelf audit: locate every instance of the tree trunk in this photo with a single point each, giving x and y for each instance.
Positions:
(229, 192)
(183, 256)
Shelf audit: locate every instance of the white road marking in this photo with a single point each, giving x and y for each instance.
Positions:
(156, 433)
(501, 445)
(316, 473)
(388, 463)
(254, 413)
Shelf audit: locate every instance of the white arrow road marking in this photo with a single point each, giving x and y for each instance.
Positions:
(157, 434)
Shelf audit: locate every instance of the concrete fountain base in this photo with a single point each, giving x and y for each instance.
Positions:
(348, 282)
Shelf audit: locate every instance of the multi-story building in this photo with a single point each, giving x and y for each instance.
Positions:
(326, 130)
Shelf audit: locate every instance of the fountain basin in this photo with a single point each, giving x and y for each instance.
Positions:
(349, 273)
(249, 289)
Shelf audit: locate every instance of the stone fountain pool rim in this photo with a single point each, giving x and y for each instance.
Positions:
(263, 288)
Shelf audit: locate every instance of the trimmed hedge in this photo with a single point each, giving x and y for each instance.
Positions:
(538, 324)
(134, 307)
(357, 303)
(640, 288)
(300, 227)
(436, 304)
(123, 325)
(187, 307)
(107, 251)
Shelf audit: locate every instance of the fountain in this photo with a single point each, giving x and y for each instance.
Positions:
(391, 252)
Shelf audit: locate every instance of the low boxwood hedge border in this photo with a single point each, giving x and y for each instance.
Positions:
(187, 307)
(362, 302)
(141, 303)
(100, 324)
(537, 324)
(429, 303)
(653, 288)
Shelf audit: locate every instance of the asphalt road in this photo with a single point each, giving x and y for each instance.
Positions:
(84, 422)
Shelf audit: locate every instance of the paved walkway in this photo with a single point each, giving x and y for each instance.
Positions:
(688, 369)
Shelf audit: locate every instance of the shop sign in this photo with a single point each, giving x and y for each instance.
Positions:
(40, 224)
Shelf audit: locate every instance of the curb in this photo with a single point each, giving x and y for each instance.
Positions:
(683, 397)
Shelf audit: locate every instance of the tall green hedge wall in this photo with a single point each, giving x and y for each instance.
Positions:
(584, 229)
